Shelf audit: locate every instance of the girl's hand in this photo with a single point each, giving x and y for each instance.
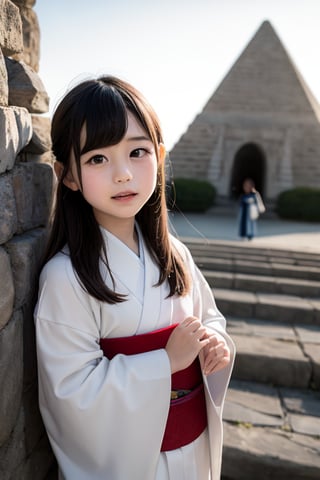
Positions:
(215, 355)
(185, 343)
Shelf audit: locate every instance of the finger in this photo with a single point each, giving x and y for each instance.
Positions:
(190, 322)
(222, 364)
(201, 339)
(221, 350)
(216, 367)
(217, 340)
(211, 363)
(213, 350)
(214, 340)
(195, 327)
(216, 363)
(214, 355)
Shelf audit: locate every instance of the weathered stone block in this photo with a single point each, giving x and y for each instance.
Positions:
(22, 177)
(32, 184)
(24, 3)
(13, 452)
(8, 212)
(17, 460)
(31, 37)
(313, 352)
(6, 289)
(42, 193)
(37, 464)
(21, 250)
(41, 137)
(10, 28)
(304, 424)
(46, 157)
(24, 125)
(38, 239)
(15, 133)
(9, 139)
(26, 88)
(4, 89)
(25, 252)
(11, 374)
(34, 428)
(29, 345)
(261, 453)
(271, 361)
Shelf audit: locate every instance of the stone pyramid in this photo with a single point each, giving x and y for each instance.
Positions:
(262, 122)
(264, 78)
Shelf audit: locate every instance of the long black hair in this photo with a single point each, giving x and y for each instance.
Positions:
(102, 106)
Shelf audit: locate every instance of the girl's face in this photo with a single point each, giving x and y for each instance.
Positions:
(119, 179)
(248, 186)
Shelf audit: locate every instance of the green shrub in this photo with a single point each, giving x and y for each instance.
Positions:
(190, 195)
(301, 203)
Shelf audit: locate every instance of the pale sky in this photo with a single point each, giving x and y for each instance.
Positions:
(175, 51)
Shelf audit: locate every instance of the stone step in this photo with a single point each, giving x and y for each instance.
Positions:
(271, 432)
(291, 258)
(258, 268)
(272, 414)
(277, 354)
(262, 283)
(256, 258)
(235, 250)
(289, 309)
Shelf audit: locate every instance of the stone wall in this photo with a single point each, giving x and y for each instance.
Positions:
(25, 193)
(208, 149)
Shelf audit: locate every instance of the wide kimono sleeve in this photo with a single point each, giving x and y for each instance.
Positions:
(216, 384)
(206, 309)
(105, 419)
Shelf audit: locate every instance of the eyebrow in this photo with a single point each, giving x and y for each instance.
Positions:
(138, 138)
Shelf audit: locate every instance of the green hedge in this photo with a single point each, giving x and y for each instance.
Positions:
(190, 195)
(302, 203)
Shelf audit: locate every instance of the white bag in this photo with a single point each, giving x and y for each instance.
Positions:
(254, 212)
(257, 207)
(260, 204)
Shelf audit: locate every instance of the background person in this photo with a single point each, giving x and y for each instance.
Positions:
(251, 206)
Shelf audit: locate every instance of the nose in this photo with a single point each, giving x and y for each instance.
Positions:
(122, 174)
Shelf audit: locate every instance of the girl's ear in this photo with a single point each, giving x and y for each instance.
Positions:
(162, 153)
(68, 180)
(58, 169)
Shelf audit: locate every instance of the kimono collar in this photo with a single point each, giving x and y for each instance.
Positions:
(138, 275)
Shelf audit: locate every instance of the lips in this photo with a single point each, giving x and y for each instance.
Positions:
(124, 195)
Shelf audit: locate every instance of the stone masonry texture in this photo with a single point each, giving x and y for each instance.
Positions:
(25, 195)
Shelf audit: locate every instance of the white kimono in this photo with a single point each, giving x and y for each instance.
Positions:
(106, 419)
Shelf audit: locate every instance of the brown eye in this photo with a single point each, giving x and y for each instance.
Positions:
(139, 152)
(97, 160)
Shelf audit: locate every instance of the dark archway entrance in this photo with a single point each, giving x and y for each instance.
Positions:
(249, 162)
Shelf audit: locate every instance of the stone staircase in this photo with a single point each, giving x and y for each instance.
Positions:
(271, 299)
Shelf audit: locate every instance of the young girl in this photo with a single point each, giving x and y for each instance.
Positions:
(133, 356)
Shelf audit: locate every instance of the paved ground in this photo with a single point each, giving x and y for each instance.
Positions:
(273, 232)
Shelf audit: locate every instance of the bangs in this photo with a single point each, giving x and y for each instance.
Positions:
(106, 118)
(94, 115)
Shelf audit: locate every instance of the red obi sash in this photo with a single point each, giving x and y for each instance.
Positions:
(187, 416)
